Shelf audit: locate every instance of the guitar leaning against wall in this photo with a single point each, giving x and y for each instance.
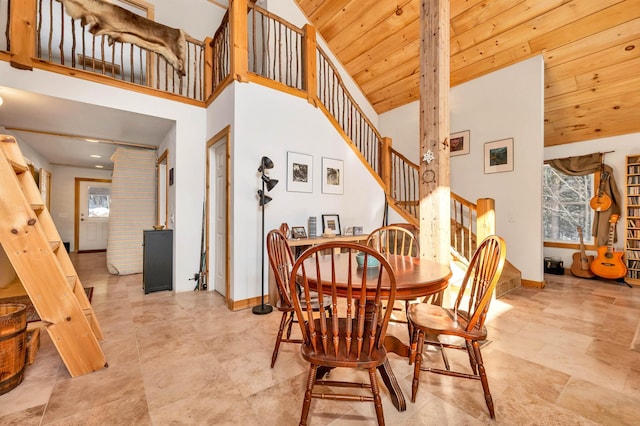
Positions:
(608, 264)
(581, 262)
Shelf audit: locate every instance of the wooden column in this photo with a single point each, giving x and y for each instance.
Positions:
(239, 41)
(435, 232)
(309, 47)
(22, 33)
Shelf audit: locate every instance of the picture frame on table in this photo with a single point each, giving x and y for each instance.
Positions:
(299, 172)
(332, 176)
(498, 156)
(459, 143)
(298, 232)
(331, 221)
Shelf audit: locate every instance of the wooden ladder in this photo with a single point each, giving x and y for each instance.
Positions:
(34, 247)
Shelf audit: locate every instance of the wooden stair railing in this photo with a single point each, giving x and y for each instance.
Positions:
(34, 248)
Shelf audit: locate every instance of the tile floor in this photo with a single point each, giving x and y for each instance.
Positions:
(558, 356)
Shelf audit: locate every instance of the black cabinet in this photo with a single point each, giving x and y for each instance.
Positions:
(157, 272)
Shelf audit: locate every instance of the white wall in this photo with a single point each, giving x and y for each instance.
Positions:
(271, 123)
(505, 104)
(63, 197)
(621, 146)
(198, 18)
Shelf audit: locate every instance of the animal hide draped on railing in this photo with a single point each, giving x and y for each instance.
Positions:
(122, 25)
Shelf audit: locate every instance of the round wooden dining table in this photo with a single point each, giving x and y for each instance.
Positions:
(415, 277)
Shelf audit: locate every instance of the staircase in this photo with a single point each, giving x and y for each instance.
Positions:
(34, 248)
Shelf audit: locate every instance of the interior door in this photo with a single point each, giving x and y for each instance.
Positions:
(93, 215)
(217, 258)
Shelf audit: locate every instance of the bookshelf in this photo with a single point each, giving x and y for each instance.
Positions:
(632, 206)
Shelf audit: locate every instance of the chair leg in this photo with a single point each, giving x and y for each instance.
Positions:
(290, 325)
(416, 367)
(311, 379)
(483, 378)
(375, 389)
(472, 357)
(283, 321)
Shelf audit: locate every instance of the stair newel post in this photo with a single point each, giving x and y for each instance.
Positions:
(385, 165)
(208, 68)
(486, 220)
(309, 66)
(239, 40)
(22, 33)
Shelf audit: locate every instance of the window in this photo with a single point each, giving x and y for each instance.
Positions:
(99, 200)
(566, 206)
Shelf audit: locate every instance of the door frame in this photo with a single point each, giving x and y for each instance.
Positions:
(223, 134)
(76, 210)
(163, 159)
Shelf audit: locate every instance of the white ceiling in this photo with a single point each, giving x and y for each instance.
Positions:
(38, 113)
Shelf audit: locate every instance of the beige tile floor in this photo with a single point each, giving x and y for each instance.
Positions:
(558, 356)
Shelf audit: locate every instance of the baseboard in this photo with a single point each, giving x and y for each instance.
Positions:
(238, 305)
(530, 283)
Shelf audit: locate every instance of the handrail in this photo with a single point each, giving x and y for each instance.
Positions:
(340, 104)
(221, 60)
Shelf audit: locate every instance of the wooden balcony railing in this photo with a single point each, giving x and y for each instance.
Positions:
(40, 33)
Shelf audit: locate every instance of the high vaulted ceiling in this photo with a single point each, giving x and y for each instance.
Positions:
(591, 51)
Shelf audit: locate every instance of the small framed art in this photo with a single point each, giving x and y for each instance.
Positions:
(298, 232)
(331, 221)
(498, 156)
(299, 172)
(332, 176)
(459, 143)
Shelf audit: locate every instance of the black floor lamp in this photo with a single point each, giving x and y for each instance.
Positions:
(269, 183)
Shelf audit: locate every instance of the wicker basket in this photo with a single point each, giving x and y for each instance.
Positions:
(13, 326)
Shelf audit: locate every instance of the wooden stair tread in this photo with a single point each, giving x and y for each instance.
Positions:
(28, 239)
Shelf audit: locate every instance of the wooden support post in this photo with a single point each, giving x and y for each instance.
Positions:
(486, 220)
(385, 164)
(22, 33)
(239, 40)
(309, 46)
(434, 131)
(208, 68)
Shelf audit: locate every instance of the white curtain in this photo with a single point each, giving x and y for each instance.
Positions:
(133, 208)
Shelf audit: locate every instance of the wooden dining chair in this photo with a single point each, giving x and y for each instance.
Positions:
(394, 239)
(465, 320)
(352, 334)
(281, 261)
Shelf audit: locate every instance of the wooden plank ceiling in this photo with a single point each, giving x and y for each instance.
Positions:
(591, 50)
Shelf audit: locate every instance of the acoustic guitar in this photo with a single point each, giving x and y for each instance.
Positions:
(601, 201)
(608, 264)
(581, 262)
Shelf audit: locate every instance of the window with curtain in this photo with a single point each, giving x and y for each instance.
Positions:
(566, 206)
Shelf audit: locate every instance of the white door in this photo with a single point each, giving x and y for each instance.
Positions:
(218, 216)
(93, 225)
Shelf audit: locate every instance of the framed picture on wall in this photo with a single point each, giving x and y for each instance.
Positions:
(299, 172)
(332, 176)
(459, 143)
(498, 156)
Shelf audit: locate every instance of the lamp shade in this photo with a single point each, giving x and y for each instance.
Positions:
(265, 164)
(264, 199)
(271, 183)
